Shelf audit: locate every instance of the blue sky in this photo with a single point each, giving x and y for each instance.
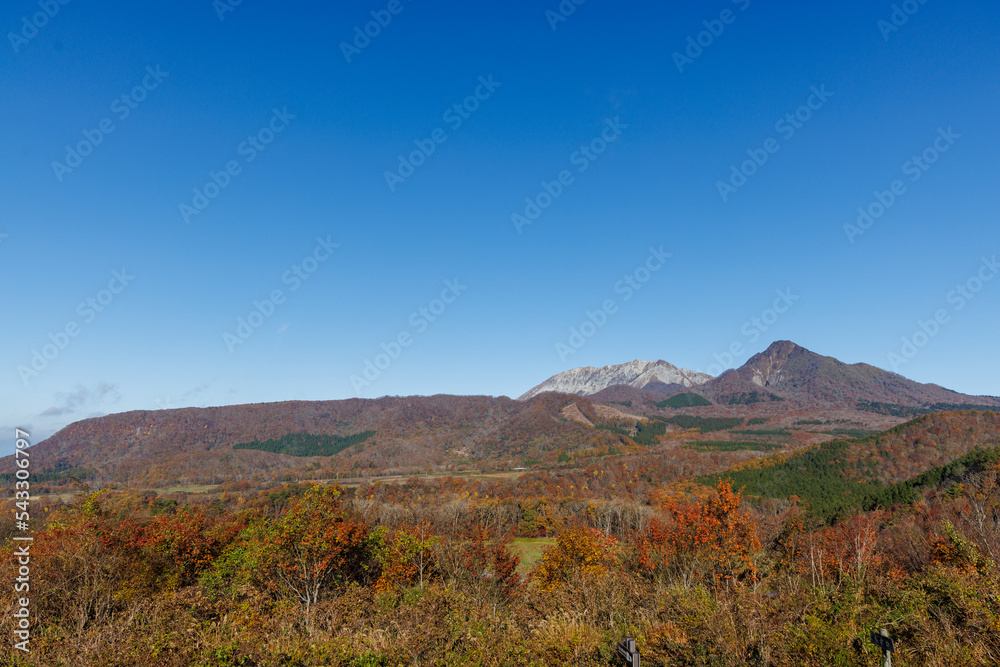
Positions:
(640, 137)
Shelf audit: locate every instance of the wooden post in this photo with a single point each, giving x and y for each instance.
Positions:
(628, 652)
(886, 654)
(881, 639)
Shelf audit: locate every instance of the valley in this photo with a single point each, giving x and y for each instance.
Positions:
(793, 492)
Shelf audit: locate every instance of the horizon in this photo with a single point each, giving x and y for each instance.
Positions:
(228, 204)
(508, 396)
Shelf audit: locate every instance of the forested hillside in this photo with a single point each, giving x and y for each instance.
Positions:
(545, 569)
(842, 476)
(213, 445)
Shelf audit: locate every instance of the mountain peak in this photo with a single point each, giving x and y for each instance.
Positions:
(784, 347)
(766, 369)
(638, 373)
(793, 372)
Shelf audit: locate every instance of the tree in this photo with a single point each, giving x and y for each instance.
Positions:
(405, 555)
(579, 552)
(983, 515)
(487, 566)
(180, 545)
(314, 547)
(708, 539)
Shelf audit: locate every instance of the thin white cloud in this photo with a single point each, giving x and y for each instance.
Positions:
(83, 398)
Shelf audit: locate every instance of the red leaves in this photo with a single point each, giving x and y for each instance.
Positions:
(187, 540)
(849, 549)
(491, 560)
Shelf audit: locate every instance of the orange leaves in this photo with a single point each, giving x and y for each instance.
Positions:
(676, 494)
(314, 544)
(491, 560)
(405, 556)
(706, 539)
(480, 562)
(953, 550)
(540, 517)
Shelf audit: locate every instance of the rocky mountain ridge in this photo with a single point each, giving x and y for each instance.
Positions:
(636, 374)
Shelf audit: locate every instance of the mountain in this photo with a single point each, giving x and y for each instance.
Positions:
(658, 375)
(792, 389)
(842, 476)
(405, 434)
(784, 373)
(788, 371)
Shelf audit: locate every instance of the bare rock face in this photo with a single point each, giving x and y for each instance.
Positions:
(769, 365)
(636, 374)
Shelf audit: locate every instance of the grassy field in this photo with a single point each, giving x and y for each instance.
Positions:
(357, 481)
(530, 549)
(69, 496)
(194, 488)
(343, 481)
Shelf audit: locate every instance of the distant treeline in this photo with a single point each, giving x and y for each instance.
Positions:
(909, 411)
(975, 461)
(820, 422)
(749, 398)
(307, 444)
(850, 432)
(51, 476)
(765, 431)
(816, 476)
(645, 432)
(688, 400)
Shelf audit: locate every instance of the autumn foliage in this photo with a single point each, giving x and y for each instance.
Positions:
(580, 552)
(710, 540)
(405, 556)
(455, 574)
(315, 547)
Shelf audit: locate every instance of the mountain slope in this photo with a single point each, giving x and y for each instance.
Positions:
(793, 372)
(842, 475)
(636, 374)
(195, 445)
(452, 433)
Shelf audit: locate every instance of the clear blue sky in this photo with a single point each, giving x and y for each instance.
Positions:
(267, 91)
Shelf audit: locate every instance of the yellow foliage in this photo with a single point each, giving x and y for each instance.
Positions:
(579, 551)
